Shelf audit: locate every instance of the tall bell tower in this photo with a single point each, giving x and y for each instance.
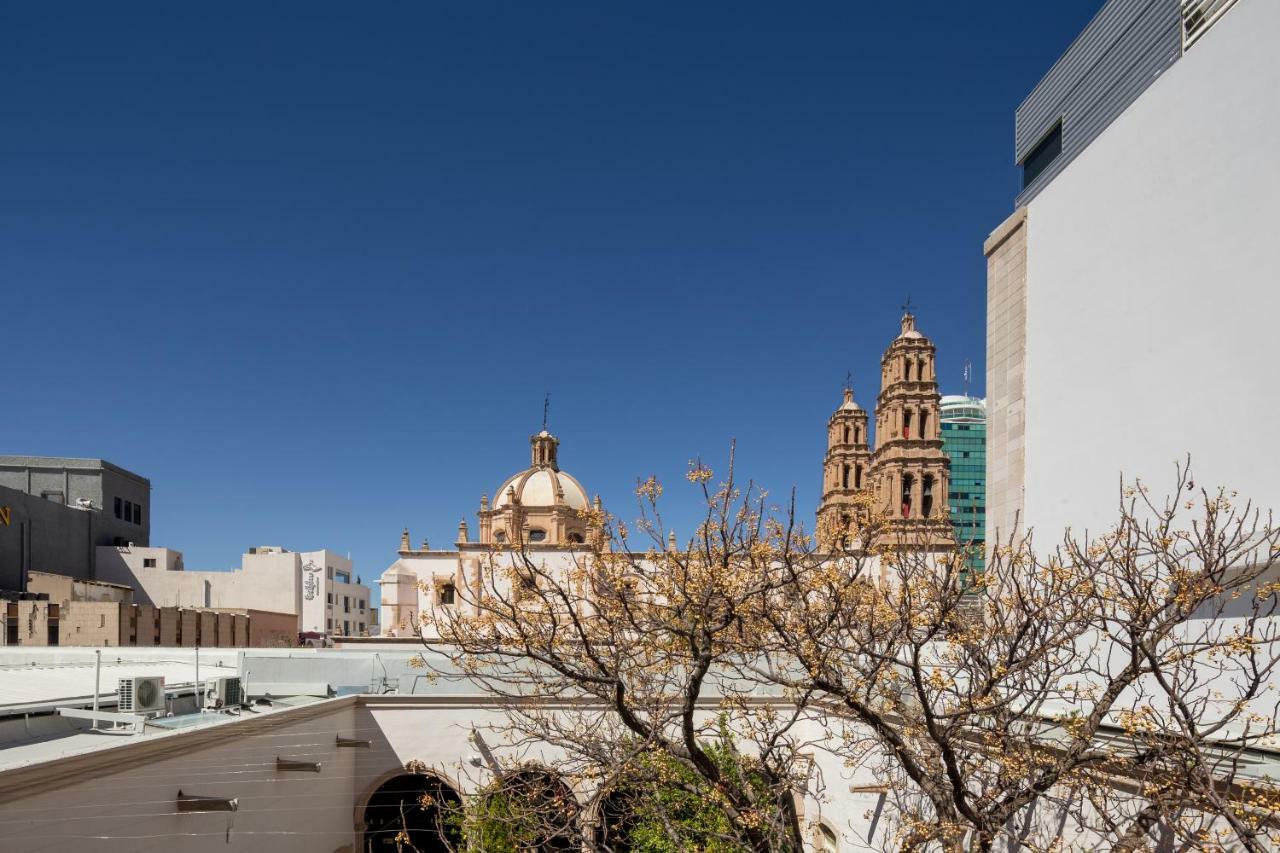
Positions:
(910, 470)
(846, 470)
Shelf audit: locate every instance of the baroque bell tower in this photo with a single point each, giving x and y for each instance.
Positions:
(846, 470)
(910, 470)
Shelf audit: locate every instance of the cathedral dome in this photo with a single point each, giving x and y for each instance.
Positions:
(542, 487)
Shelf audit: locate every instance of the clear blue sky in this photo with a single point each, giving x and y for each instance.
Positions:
(310, 267)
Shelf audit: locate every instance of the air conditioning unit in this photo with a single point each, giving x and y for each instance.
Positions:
(141, 694)
(223, 692)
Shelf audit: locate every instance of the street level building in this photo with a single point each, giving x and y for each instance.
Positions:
(120, 499)
(964, 440)
(315, 589)
(1137, 276)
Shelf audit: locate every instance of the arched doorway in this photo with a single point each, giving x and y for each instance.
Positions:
(413, 813)
(528, 810)
(615, 820)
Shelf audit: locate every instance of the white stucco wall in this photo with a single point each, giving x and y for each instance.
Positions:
(1153, 288)
(264, 581)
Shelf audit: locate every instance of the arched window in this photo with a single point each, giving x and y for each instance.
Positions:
(416, 809)
(537, 534)
(920, 370)
(825, 840)
(924, 424)
(857, 477)
(846, 433)
(926, 496)
(857, 434)
(906, 424)
(844, 477)
(908, 485)
(576, 538)
(529, 810)
(447, 593)
(906, 369)
(500, 536)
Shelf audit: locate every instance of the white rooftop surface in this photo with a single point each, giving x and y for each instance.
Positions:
(60, 746)
(44, 682)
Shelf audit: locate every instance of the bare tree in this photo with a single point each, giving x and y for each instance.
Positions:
(1106, 690)
(1112, 689)
(626, 660)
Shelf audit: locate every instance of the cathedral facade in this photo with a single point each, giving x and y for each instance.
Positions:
(903, 477)
(544, 512)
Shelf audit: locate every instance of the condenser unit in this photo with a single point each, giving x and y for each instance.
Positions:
(223, 692)
(141, 694)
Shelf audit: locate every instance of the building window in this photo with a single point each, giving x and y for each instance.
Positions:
(857, 477)
(576, 538)
(148, 562)
(328, 597)
(906, 424)
(361, 605)
(926, 496)
(844, 477)
(346, 629)
(447, 593)
(119, 509)
(908, 483)
(328, 624)
(346, 604)
(137, 513)
(1045, 152)
(500, 536)
(537, 534)
(329, 571)
(924, 424)
(56, 497)
(846, 434)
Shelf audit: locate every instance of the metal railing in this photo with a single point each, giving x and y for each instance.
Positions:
(1198, 16)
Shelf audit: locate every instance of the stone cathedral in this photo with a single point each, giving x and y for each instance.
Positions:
(904, 475)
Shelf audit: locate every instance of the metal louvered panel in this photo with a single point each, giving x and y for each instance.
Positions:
(1199, 15)
(1126, 46)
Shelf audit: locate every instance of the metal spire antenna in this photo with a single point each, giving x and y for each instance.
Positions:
(848, 381)
(546, 406)
(968, 374)
(906, 308)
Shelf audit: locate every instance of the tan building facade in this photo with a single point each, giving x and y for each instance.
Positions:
(905, 478)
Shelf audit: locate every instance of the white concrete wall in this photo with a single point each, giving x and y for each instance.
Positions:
(1153, 288)
(264, 582)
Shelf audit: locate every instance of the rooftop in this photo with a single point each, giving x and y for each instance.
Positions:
(58, 463)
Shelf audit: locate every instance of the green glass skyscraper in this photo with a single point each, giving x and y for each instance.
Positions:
(964, 439)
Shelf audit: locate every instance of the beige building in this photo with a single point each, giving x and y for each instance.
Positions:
(542, 509)
(905, 476)
(317, 590)
(78, 612)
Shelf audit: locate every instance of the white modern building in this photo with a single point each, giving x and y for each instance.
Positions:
(318, 587)
(1132, 296)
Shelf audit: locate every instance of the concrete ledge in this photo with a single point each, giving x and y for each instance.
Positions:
(1004, 230)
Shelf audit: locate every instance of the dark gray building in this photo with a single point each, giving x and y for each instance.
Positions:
(55, 511)
(42, 536)
(1121, 52)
